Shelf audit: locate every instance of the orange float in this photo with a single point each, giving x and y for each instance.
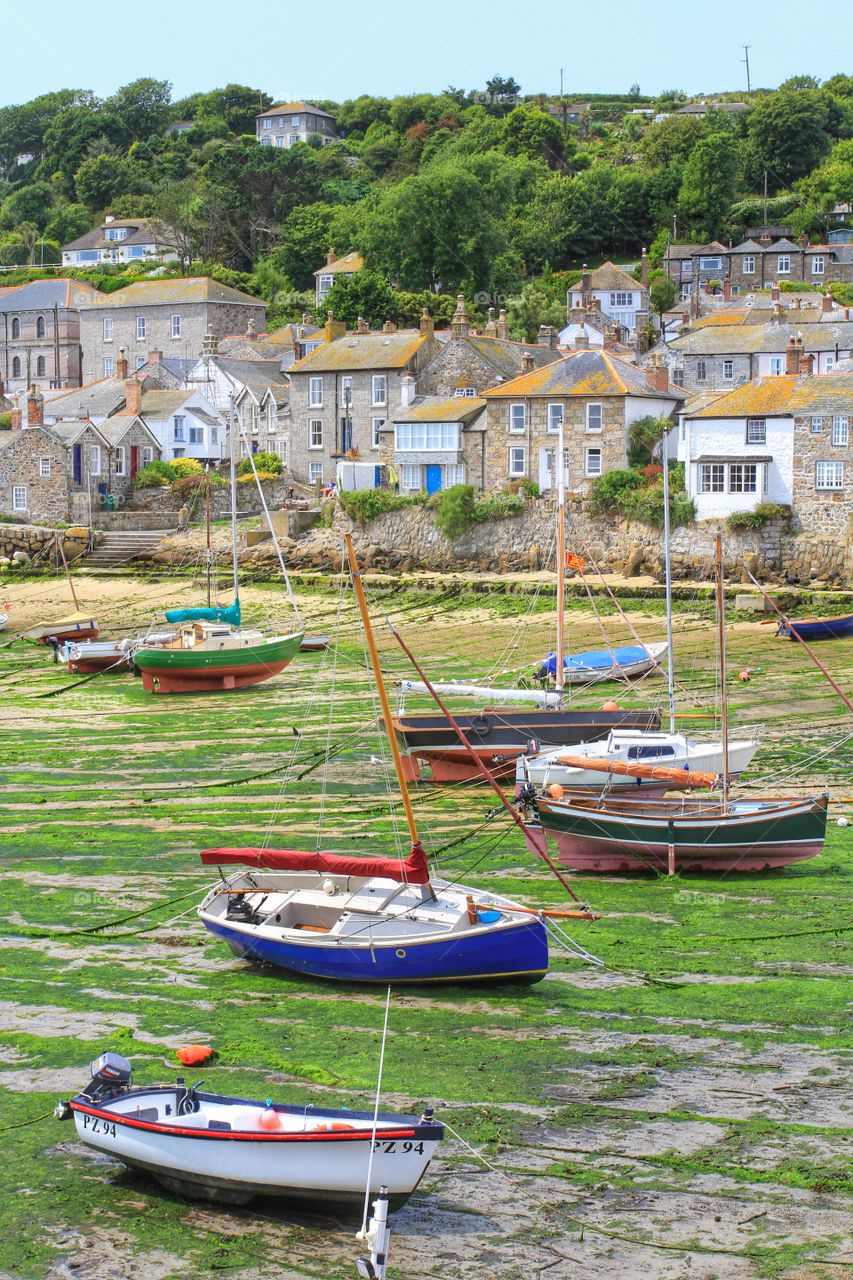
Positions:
(192, 1054)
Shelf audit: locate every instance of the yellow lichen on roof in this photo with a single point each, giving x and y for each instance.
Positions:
(832, 392)
(179, 289)
(581, 373)
(441, 409)
(362, 351)
(352, 262)
(761, 398)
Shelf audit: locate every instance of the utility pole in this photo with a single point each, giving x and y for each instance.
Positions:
(765, 200)
(745, 60)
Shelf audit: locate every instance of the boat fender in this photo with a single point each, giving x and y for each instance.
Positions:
(473, 918)
(611, 705)
(62, 1111)
(331, 1126)
(191, 1054)
(488, 917)
(480, 725)
(269, 1120)
(330, 888)
(555, 791)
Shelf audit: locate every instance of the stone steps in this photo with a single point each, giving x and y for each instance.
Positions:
(119, 547)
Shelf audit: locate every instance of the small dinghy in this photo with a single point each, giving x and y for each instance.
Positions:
(620, 663)
(817, 628)
(214, 1147)
(89, 656)
(77, 626)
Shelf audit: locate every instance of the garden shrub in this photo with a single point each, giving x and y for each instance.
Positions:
(638, 494)
(758, 516)
(499, 506)
(609, 490)
(186, 467)
(153, 473)
(5, 422)
(367, 504)
(455, 509)
(264, 461)
(248, 477)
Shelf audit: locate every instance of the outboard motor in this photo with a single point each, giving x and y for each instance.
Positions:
(111, 1074)
(240, 908)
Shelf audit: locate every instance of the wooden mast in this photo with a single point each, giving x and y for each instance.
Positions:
(561, 560)
(383, 694)
(721, 649)
(59, 541)
(207, 528)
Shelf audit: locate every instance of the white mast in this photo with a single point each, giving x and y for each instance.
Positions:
(670, 672)
(232, 433)
(561, 559)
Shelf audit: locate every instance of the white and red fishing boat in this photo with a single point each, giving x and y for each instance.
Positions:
(217, 1147)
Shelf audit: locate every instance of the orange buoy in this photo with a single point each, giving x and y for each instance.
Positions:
(610, 705)
(191, 1054)
(744, 675)
(555, 791)
(270, 1120)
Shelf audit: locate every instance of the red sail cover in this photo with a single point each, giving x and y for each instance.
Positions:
(411, 870)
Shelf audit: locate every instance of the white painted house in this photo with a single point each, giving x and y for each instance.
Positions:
(612, 290)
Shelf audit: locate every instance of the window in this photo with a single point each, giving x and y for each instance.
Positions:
(44, 466)
(214, 436)
(324, 283)
(378, 389)
(266, 142)
(95, 460)
(678, 377)
(756, 431)
(375, 437)
(136, 251)
(16, 330)
(16, 366)
(710, 264)
(141, 361)
(748, 267)
(108, 366)
(465, 391)
(41, 367)
(818, 264)
(621, 299)
(282, 452)
(315, 392)
(593, 417)
(315, 433)
(518, 460)
(728, 370)
(743, 477)
(196, 434)
(87, 255)
(783, 264)
(346, 389)
(426, 435)
(712, 477)
(829, 475)
(108, 328)
(266, 123)
(830, 364)
(176, 326)
(817, 426)
(292, 138)
(141, 328)
(272, 419)
(19, 497)
(516, 418)
(687, 266)
(147, 455)
(410, 479)
(454, 473)
(178, 424)
(593, 462)
(180, 453)
(41, 327)
(120, 460)
(701, 371)
(777, 366)
(555, 417)
(315, 472)
(841, 431)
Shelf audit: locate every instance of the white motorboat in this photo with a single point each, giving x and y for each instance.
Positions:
(589, 766)
(103, 655)
(215, 1147)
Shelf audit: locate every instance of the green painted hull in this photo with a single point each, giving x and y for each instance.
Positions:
(201, 670)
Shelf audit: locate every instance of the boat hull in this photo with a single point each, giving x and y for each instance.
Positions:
(207, 671)
(818, 628)
(86, 658)
(697, 758)
(499, 737)
(752, 836)
(64, 632)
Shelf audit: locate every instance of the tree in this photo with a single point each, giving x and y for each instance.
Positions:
(67, 222)
(672, 139)
(644, 437)
(531, 132)
(634, 91)
(503, 92)
(27, 204)
(306, 236)
(662, 295)
(100, 179)
(840, 84)
(236, 104)
(532, 308)
(788, 136)
(73, 135)
(708, 184)
(142, 106)
(365, 294)
(799, 82)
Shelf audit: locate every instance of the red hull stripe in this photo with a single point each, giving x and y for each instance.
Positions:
(243, 1135)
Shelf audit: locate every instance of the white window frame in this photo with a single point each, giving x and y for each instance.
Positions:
(423, 437)
(701, 371)
(841, 431)
(756, 431)
(378, 389)
(465, 391)
(282, 452)
(375, 424)
(829, 364)
(748, 266)
(517, 419)
(196, 434)
(816, 426)
(44, 466)
(94, 460)
(591, 417)
(410, 478)
(818, 265)
(272, 417)
(141, 328)
(315, 393)
(178, 421)
(325, 283)
(108, 328)
(141, 361)
(777, 366)
(783, 264)
(346, 386)
(828, 475)
(19, 497)
(728, 370)
(175, 326)
(555, 417)
(622, 299)
(711, 264)
(454, 473)
(266, 122)
(119, 467)
(108, 366)
(315, 472)
(712, 477)
(589, 456)
(315, 433)
(517, 461)
(147, 454)
(739, 473)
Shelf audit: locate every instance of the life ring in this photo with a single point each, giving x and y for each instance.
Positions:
(481, 725)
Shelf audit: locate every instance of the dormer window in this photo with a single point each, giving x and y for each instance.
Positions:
(115, 233)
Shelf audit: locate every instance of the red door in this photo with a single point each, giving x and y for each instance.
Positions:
(134, 460)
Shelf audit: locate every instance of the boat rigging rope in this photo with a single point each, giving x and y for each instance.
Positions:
(375, 1114)
(284, 572)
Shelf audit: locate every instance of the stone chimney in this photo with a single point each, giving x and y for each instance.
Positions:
(132, 397)
(806, 364)
(330, 257)
(251, 331)
(582, 339)
(586, 287)
(547, 336)
(460, 325)
(803, 240)
(502, 326)
(727, 288)
(644, 269)
(307, 317)
(792, 357)
(17, 416)
(491, 329)
(527, 362)
(333, 329)
(121, 365)
(389, 327)
(657, 374)
(611, 337)
(210, 343)
(155, 357)
(427, 324)
(826, 302)
(35, 407)
(774, 292)
(407, 390)
(778, 316)
(362, 325)
(765, 240)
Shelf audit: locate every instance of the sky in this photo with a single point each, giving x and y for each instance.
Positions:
(337, 49)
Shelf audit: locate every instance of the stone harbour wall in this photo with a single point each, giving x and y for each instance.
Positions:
(22, 543)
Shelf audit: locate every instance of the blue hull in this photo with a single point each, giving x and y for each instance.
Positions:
(819, 628)
(519, 954)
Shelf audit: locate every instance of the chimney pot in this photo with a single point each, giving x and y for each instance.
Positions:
(644, 268)
(17, 416)
(527, 362)
(460, 325)
(330, 257)
(407, 390)
(362, 325)
(502, 326)
(826, 302)
(727, 288)
(774, 292)
(35, 407)
(582, 338)
(389, 327)
(133, 397)
(657, 374)
(427, 324)
(307, 318)
(792, 357)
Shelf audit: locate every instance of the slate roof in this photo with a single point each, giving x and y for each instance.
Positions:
(747, 339)
(783, 396)
(139, 231)
(294, 108)
(160, 403)
(609, 276)
(441, 409)
(676, 252)
(584, 373)
(351, 262)
(115, 429)
(41, 295)
(251, 373)
(505, 356)
(183, 289)
(362, 351)
(98, 399)
(67, 433)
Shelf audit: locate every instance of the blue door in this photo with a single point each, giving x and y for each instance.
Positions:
(78, 464)
(433, 478)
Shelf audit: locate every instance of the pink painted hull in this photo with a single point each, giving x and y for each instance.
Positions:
(581, 855)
